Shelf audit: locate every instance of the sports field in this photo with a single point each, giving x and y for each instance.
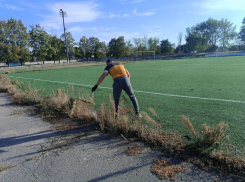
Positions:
(206, 90)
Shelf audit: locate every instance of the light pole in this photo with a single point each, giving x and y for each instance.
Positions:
(64, 14)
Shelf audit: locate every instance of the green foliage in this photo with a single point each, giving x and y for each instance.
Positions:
(206, 35)
(14, 41)
(39, 41)
(242, 31)
(91, 47)
(166, 47)
(117, 47)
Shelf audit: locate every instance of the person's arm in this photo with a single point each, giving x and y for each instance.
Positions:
(99, 81)
(102, 77)
(128, 74)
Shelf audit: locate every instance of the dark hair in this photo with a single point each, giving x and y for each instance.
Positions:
(109, 60)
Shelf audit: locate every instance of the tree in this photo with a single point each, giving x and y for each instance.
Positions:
(70, 43)
(23, 42)
(39, 41)
(237, 44)
(227, 32)
(78, 52)
(210, 30)
(129, 50)
(14, 41)
(242, 31)
(56, 49)
(195, 41)
(94, 47)
(105, 50)
(83, 44)
(179, 38)
(166, 47)
(153, 44)
(5, 52)
(144, 42)
(117, 47)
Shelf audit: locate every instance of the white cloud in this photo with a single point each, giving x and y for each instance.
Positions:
(12, 7)
(126, 15)
(112, 15)
(233, 5)
(149, 13)
(108, 29)
(76, 12)
(137, 1)
(81, 30)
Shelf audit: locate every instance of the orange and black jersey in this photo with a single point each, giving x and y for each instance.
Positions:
(116, 70)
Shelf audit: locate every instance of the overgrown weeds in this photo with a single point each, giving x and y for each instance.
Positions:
(207, 149)
(211, 138)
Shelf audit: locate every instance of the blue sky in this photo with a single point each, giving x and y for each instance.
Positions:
(106, 19)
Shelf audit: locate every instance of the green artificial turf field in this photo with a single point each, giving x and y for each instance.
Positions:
(206, 90)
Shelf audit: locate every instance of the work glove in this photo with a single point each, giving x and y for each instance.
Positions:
(94, 88)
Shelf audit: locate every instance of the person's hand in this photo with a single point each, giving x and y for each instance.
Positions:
(94, 88)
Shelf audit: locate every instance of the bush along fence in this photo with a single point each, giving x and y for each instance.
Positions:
(204, 149)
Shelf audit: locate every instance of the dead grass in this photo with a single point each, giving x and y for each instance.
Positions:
(134, 151)
(7, 167)
(211, 137)
(164, 169)
(5, 82)
(67, 126)
(82, 109)
(16, 112)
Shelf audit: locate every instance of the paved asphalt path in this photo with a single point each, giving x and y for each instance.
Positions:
(38, 154)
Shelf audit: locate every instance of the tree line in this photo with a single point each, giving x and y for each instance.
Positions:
(214, 34)
(18, 45)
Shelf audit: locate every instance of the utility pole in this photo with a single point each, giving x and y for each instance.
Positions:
(64, 14)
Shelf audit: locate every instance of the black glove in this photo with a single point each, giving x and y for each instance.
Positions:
(94, 88)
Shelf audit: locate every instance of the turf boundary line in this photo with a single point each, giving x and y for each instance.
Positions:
(145, 92)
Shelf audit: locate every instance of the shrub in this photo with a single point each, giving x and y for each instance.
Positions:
(210, 138)
(5, 82)
(82, 109)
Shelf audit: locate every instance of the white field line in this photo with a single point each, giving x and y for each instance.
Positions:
(153, 93)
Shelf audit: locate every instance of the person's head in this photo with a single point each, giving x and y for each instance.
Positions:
(109, 61)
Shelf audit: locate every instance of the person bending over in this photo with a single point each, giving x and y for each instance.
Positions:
(121, 78)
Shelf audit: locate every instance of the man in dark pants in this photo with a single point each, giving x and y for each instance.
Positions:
(121, 78)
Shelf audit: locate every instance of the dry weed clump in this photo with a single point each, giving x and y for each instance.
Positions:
(55, 106)
(59, 99)
(5, 82)
(164, 169)
(228, 158)
(111, 121)
(211, 137)
(25, 94)
(134, 151)
(82, 109)
(167, 141)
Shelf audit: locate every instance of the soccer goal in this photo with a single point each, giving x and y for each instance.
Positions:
(145, 55)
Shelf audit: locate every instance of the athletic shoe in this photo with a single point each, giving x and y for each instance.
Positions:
(138, 115)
